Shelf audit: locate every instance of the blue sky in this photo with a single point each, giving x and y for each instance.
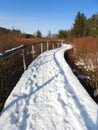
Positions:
(44, 15)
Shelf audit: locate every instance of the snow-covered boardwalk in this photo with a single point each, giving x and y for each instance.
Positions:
(49, 97)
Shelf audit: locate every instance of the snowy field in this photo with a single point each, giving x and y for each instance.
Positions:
(49, 97)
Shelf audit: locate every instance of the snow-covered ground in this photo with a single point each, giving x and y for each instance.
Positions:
(49, 97)
(87, 64)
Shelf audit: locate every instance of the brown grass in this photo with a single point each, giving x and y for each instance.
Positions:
(86, 49)
(9, 41)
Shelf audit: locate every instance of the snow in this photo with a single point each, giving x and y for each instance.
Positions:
(96, 92)
(83, 77)
(0, 54)
(11, 50)
(49, 97)
(14, 49)
(80, 62)
(88, 64)
(74, 70)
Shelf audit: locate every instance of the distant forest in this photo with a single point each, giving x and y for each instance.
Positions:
(18, 33)
(82, 27)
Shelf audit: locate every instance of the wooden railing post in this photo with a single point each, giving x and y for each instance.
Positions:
(52, 45)
(47, 46)
(33, 51)
(58, 45)
(41, 47)
(62, 43)
(24, 61)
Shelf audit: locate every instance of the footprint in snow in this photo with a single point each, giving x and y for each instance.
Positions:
(61, 100)
(34, 76)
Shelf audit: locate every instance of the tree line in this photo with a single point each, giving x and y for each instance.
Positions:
(18, 33)
(82, 27)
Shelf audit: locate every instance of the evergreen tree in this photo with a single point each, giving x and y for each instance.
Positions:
(92, 25)
(38, 34)
(79, 27)
(62, 33)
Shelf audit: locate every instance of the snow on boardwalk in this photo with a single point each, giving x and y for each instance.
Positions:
(49, 97)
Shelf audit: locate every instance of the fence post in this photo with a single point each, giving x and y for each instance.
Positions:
(62, 43)
(41, 47)
(24, 61)
(47, 46)
(52, 45)
(58, 45)
(33, 51)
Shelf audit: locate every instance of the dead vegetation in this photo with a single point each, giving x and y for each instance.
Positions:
(84, 57)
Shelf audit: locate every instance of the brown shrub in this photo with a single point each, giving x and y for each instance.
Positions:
(86, 50)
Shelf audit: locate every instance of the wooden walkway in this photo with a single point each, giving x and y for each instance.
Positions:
(15, 61)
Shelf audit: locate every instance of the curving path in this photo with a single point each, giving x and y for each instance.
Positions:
(49, 97)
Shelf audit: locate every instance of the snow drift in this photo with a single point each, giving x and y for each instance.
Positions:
(49, 97)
